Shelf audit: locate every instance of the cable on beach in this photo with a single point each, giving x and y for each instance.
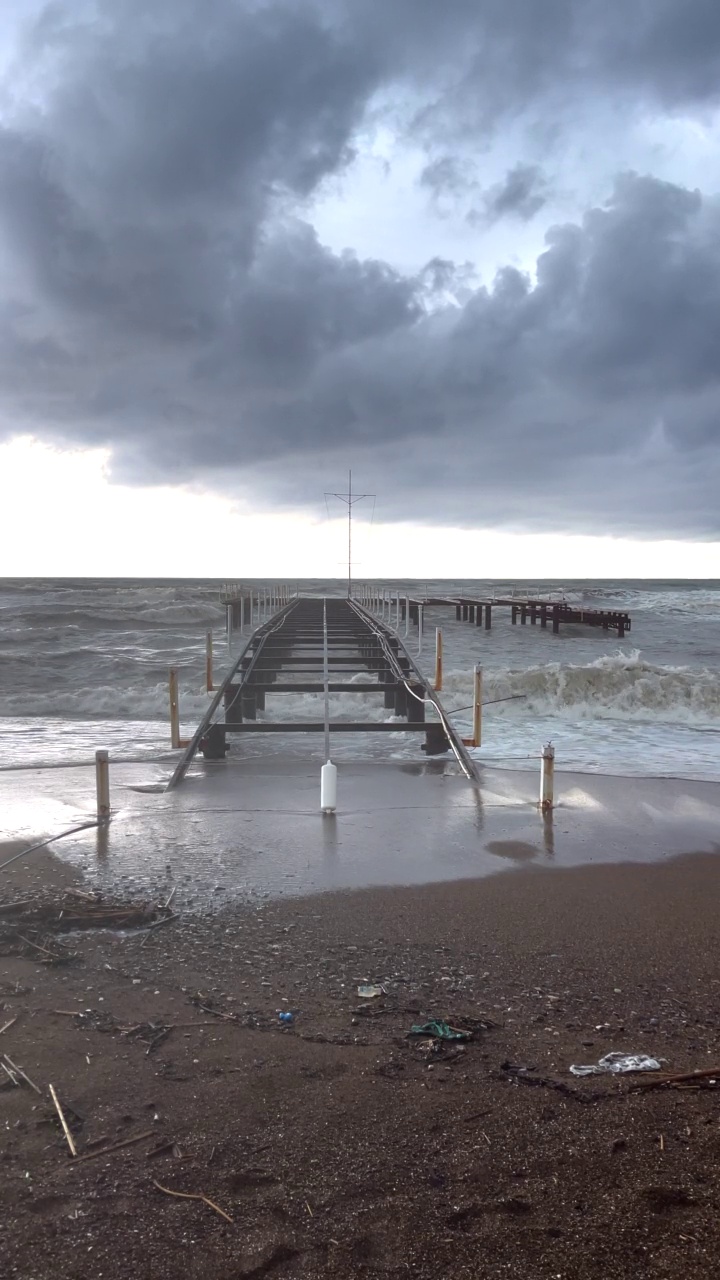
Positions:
(85, 826)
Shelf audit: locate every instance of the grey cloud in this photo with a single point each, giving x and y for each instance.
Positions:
(447, 175)
(522, 193)
(164, 293)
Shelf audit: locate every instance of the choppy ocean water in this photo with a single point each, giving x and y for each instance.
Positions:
(84, 664)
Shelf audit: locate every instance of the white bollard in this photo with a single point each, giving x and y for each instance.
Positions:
(328, 788)
(547, 777)
(102, 785)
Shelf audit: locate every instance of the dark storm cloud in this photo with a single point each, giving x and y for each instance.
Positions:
(522, 193)
(164, 293)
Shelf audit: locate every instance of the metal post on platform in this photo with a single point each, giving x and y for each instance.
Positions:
(174, 709)
(209, 659)
(477, 707)
(102, 785)
(228, 623)
(421, 621)
(547, 777)
(407, 615)
(397, 612)
(242, 615)
(438, 660)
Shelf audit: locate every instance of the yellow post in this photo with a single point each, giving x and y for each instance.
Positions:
(438, 660)
(174, 709)
(477, 708)
(209, 662)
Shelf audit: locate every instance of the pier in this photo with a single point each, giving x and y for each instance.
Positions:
(321, 646)
(529, 609)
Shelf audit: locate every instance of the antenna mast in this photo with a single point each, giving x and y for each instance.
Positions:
(350, 498)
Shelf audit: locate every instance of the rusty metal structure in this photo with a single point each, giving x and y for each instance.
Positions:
(322, 646)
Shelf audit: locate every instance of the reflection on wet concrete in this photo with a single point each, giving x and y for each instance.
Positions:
(252, 828)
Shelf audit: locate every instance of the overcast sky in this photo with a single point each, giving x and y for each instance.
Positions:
(470, 249)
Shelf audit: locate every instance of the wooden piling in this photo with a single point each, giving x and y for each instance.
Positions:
(102, 785)
(209, 662)
(174, 709)
(477, 708)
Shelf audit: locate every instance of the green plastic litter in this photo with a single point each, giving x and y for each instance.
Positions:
(440, 1030)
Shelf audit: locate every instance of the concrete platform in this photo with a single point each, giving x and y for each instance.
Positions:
(247, 829)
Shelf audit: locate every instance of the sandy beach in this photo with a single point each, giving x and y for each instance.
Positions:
(336, 1143)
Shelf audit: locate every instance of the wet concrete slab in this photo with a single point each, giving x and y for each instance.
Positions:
(250, 829)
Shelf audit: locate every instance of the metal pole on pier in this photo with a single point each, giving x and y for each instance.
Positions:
(438, 660)
(328, 773)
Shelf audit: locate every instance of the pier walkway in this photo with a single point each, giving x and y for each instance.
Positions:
(324, 646)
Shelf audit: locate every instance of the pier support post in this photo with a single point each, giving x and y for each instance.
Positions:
(209, 662)
(543, 615)
(523, 614)
(514, 614)
(488, 617)
(102, 785)
(438, 660)
(533, 614)
(547, 777)
(556, 619)
(174, 709)
(458, 612)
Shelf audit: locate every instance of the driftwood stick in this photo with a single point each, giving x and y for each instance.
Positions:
(682, 1078)
(9, 1075)
(9, 1024)
(37, 946)
(63, 1121)
(139, 1137)
(20, 1072)
(190, 1195)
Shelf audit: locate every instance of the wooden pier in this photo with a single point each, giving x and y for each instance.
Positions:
(478, 612)
(323, 646)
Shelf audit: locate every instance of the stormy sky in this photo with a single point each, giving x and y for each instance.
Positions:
(471, 249)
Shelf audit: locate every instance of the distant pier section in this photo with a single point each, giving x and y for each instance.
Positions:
(479, 612)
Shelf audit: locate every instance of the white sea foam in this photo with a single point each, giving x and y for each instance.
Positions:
(613, 687)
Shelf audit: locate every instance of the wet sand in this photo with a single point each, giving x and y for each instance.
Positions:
(237, 831)
(338, 1145)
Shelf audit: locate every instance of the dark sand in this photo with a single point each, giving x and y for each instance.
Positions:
(338, 1146)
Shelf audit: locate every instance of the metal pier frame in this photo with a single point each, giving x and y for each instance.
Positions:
(324, 639)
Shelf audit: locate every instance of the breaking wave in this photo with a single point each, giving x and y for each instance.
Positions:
(614, 687)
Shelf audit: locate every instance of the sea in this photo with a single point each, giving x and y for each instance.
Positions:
(84, 664)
